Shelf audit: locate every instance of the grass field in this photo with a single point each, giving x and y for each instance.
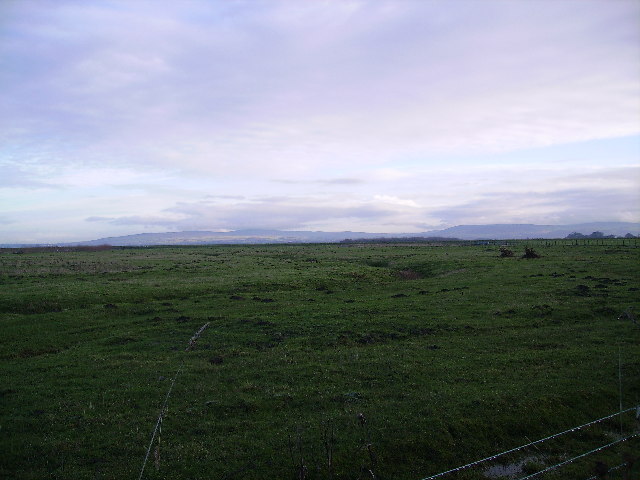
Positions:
(319, 361)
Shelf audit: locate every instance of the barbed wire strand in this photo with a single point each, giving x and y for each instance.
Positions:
(620, 383)
(595, 477)
(493, 457)
(163, 410)
(553, 467)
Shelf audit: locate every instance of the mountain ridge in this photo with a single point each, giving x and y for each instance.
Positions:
(263, 236)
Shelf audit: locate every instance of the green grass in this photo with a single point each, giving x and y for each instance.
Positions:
(448, 353)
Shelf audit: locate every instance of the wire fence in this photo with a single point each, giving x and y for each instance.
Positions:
(609, 470)
(550, 437)
(195, 337)
(571, 460)
(163, 410)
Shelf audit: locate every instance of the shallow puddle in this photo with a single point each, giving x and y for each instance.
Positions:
(511, 470)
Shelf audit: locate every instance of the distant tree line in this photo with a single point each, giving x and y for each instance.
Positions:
(77, 248)
(596, 235)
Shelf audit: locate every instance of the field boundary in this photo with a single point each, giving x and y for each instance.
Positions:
(566, 462)
(163, 410)
(555, 435)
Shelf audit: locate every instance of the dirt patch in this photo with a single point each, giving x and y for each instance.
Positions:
(408, 274)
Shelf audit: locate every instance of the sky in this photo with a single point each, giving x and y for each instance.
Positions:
(132, 116)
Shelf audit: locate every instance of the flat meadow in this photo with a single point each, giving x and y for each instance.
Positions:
(331, 361)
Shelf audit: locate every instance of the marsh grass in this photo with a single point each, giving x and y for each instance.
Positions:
(473, 355)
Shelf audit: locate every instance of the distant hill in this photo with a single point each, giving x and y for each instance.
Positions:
(523, 231)
(234, 237)
(399, 239)
(461, 232)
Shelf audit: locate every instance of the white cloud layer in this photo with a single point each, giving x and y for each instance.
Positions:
(371, 115)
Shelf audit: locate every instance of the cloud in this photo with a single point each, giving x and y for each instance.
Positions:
(551, 202)
(560, 207)
(340, 181)
(328, 181)
(612, 179)
(271, 213)
(225, 197)
(284, 89)
(392, 200)
(379, 114)
(19, 178)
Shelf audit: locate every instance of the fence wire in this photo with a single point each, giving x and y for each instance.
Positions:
(163, 410)
(159, 422)
(595, 477)
(493, 457)
(558, 465)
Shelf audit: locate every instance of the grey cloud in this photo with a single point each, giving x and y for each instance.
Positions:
(631, 173)
(341, 181)
(99, 219)
(328, 181)
(221, 91)
(559, 207)
(225, 197)
(14, 176)
(145, 220)
(283, 214)
(376, 76)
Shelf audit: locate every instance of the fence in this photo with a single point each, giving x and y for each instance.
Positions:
(550, 437)
(194, 338)
(163, 410)
(562, 242)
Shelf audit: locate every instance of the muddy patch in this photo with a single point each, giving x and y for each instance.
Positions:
(516, 469)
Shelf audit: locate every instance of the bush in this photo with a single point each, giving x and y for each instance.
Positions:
(530, 253)
(505, 252)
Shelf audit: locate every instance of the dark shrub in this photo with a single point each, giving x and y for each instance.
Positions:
(530, 253)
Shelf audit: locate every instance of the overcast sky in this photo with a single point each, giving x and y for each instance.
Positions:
(120, 117)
